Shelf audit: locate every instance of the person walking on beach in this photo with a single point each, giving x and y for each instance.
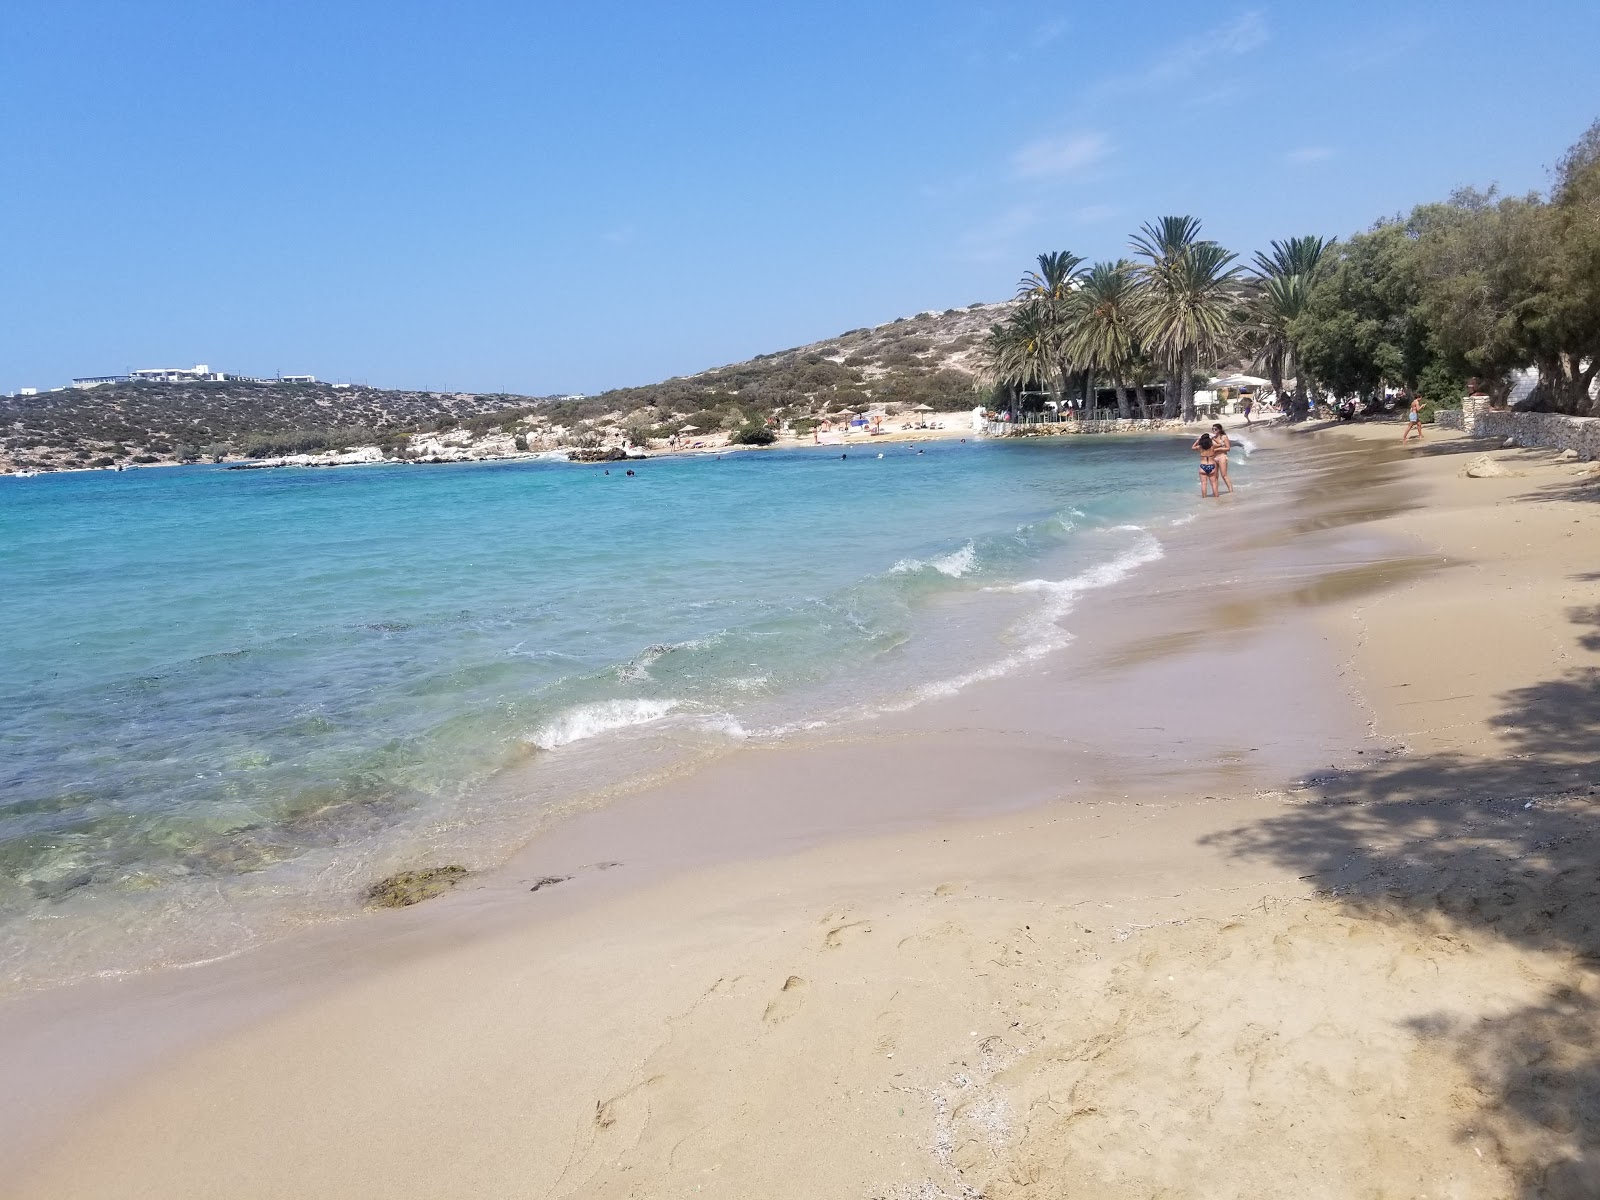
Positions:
(1221, 443)
(1249, 403)
(1208, 464)
(1413, 421)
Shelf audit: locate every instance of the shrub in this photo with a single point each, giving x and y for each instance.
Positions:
(752, 435)
(306, 441)
(520, 442)
(103, 462)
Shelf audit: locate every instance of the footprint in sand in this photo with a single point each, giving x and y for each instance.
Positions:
(841, 934)
(787, 1002)
(630, 1107)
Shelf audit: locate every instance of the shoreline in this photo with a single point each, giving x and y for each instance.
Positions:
(454, 968)
(958, 431)
(606, 832)
(968, 613)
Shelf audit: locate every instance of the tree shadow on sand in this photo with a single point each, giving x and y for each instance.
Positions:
(1506, 847)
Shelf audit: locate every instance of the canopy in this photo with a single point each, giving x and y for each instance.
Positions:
(924, 408)
(1241, 381)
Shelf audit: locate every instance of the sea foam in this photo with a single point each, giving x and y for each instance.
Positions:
(1040, 631)
(585, 721)
(953, 565)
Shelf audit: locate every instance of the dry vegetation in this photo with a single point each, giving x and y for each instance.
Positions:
(926, 359)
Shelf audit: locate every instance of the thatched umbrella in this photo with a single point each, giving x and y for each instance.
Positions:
(924, 408)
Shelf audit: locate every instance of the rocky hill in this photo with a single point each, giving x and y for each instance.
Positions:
(931, 358)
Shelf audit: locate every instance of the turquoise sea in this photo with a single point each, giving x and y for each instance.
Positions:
(229, 699)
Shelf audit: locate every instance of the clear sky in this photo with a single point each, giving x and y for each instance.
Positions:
(539, 197)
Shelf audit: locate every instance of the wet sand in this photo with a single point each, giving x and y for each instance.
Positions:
(1216, 901)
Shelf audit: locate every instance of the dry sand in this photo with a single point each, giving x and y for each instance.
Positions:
(1280, 881)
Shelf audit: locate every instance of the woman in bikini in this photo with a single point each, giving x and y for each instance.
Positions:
(1221, 443)
(1208, 464)
(1413, 421)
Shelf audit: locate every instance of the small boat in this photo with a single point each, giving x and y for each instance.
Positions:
(24, 474)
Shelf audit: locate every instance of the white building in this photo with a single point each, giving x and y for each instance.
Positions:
(192, 374)
(297, 378)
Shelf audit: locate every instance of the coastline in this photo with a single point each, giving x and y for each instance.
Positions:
(853, 928)
(956, 427)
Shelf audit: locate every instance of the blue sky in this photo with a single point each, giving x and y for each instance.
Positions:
(550, 198)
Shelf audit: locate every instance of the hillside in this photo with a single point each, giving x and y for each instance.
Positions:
(926, 359)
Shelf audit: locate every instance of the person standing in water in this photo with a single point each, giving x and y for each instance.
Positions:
(1208, 463)
(1413, 421)
(1221, 443)
(1249, 403)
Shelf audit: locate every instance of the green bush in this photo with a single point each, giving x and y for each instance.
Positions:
(752, 435)
(307, 441)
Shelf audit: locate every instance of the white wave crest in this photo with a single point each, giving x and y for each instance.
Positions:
(954, 565)
(726, 725)
(585, 721)
(639, 668)
(1040, 632)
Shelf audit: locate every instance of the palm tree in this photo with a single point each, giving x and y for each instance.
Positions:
(1101, 336)
(1019, 354)
(1297, 256)
(1186, 297)
(1272, 304)
(1049, 291)
(1054, 281)
(1282, 289)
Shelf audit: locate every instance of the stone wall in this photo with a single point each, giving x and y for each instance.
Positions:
(1547, 430)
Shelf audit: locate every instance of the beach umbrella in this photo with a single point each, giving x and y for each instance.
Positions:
(924, 408)
(1240, 381)
(689, 429)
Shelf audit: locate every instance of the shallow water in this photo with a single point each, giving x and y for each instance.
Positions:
(228, 699)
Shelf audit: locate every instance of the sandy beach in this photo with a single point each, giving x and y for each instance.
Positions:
(1278, 880)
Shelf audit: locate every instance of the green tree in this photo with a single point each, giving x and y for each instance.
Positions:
(1019, 354)
(1508, 282)
(1363, 326)
(1481, 261)
(1280, 292)
(1101, 334)
(1050, 291)
(1187, 293)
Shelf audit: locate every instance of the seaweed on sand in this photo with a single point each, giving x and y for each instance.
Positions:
(413, 887)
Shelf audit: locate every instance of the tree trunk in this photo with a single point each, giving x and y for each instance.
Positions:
(1186, 386)
(1173, 393)
(1123, 412)
(1088, 395)
(1143, 398)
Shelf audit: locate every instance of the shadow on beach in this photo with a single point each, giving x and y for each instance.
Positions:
(1459, 849)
